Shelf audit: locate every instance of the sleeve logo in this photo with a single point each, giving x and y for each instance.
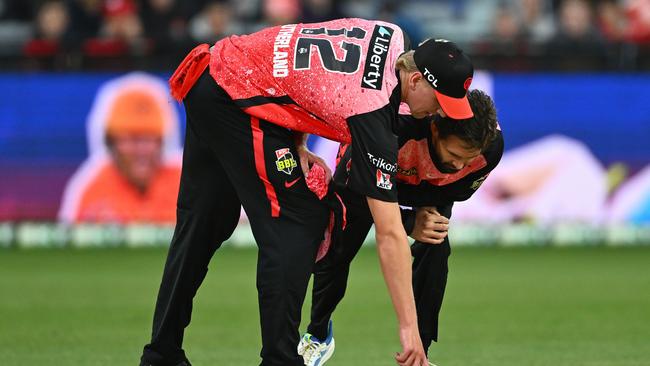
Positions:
(285, 161)
(383, 180)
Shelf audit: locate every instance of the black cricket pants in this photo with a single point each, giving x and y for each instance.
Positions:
(230, 158)
(430, 269)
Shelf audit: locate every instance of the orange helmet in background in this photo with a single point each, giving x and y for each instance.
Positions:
(136, 112)
(134, 103)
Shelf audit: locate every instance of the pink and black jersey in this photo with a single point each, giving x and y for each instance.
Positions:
(311, 77)
(335, 79)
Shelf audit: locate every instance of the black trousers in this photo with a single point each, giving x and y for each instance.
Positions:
(430, 269)
(231, 159)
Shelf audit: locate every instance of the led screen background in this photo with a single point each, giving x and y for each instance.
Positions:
(43, 126)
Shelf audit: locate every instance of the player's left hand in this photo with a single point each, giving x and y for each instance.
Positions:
(307, 158)
(430, 226)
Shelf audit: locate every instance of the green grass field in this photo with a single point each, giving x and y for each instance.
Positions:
(504, 306)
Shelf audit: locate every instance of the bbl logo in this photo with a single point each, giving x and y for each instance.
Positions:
(285, 161)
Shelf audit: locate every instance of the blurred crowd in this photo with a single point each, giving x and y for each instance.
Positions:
(155, 34)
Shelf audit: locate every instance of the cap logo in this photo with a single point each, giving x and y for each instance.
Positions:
(467, 83)
(430, 78)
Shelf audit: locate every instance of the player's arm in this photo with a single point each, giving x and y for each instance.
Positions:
(372, 174)
(395, 259)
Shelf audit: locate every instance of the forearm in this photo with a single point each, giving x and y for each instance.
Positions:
(395, 259)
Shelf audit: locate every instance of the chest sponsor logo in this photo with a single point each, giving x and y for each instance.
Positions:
(477, 183)
(284, 161)
(383, 180)
(373, 71)
(382, 164)
(407, 172)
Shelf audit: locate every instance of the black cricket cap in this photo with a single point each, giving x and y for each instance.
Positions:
(449, 71)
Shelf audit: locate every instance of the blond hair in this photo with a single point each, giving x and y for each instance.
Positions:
(406, 62)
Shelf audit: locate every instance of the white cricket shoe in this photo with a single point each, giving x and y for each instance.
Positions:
(314, 351)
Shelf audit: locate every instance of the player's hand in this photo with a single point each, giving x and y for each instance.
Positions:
(430, 226)
(412, 351)
(307, 158)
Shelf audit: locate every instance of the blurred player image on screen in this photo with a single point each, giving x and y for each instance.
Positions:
(134, 166)
(251, 101)
(440, 162)
(533, 180)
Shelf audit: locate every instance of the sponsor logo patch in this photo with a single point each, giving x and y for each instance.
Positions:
(407, 172)
(383, 180)
(477, 183)
(291, 183)
(284, 161)
(381, 163)
(373, 71)
(431, 78)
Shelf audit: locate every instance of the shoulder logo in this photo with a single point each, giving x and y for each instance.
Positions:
(477, 183)
(373, 70)
(284, 161)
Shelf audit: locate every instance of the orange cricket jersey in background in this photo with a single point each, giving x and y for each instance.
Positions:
(109, 197)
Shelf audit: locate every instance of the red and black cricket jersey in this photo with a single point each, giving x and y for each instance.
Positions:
(419, 181)
(334, 79)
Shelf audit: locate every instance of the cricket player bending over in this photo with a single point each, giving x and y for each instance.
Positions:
(439, 162)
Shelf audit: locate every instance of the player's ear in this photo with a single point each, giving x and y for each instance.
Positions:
(434, 128)
(414, 78)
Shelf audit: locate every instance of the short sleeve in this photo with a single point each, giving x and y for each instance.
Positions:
(373, 155)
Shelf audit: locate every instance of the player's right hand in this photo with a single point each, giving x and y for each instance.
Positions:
(307, 158)
(412, 351)
(430, 226)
